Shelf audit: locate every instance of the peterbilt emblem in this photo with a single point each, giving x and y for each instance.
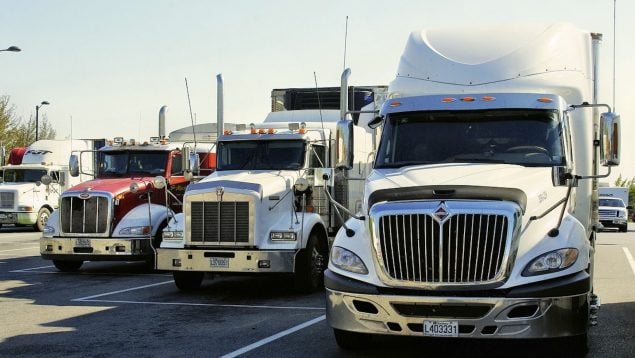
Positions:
(84, 196)
(441, 213)
(219, 193)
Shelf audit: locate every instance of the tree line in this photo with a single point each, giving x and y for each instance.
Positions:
(16, 131)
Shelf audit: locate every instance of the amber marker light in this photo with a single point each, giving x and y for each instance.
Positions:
(448, 99)
(262, 131)
(467, 99)
(271, 131)
(227, 132)
(395, 104)
(545, 100)
(488, 98)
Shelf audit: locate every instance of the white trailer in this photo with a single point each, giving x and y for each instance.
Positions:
(479, 217)
(265, 209)
(30, 191)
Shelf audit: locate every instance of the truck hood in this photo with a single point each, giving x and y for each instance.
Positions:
(534, 182)
(110, 185)
(19, 187)
(265, 183)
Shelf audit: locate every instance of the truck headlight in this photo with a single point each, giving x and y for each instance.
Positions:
(25, 208)
(551, 262)
(48, 231)
(282, 236)
(622, 214)
(173, 235)
(347, 260)
(135, 230)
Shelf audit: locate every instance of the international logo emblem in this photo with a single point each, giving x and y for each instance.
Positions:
(441, 213)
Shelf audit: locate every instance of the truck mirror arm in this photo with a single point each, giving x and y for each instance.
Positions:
(572, 180)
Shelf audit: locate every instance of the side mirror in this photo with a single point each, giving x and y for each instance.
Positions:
(73, 165)
(375, 122)
(609, 139)
(46, 179)
(344, 144)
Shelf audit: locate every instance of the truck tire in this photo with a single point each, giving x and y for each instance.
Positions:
(351, 340)
(310, 265)
(624, 228)
(67, 266)
(188, 280)
(41, 220)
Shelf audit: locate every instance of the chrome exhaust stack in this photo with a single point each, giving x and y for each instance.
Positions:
(162, 113)
(220, 124)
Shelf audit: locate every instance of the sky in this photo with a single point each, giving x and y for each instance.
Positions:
(107, 66)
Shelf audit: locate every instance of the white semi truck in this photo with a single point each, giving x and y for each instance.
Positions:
(479, 217)
(265, 209)
(26, 199)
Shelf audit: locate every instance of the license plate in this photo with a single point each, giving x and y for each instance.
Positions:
(222, 262)
(441, 328)
(82, 243)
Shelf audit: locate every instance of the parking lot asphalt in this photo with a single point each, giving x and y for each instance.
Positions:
(125, 309)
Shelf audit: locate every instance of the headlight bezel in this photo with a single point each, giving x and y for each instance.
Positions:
(347, 260)
(136, 230)
(545, 264)
(283, 236)
(173, 235)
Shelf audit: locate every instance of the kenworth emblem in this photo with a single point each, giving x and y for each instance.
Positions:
(219, 193)
(84, 196)
(442, 212)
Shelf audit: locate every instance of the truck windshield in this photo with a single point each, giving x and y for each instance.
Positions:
(522, 137)
(23, 175)
(616, 203)
(121, 163)
(260, 155)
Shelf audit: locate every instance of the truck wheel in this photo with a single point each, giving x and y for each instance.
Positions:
(310, 265)
(188, 281)
(351, 340)
(42, 219)
(624, 228)
(67, 266)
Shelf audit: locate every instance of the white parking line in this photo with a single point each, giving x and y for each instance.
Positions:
(204, 304)
(32, 268)
(630, 259)
(262, 342)
(121, 291)
(24, 248)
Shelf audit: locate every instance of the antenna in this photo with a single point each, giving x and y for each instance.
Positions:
(317, 89)
(345, 40)
(614, 36)
(187, 89)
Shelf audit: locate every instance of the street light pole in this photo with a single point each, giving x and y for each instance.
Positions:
(12, 49)
(37, 110)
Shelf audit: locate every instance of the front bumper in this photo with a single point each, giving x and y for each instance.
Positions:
(22, 218)
(251, 261)
(96, 249)
(527, 312)
(615, 222)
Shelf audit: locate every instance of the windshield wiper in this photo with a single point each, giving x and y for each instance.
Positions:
(404, 163)
(471, 159)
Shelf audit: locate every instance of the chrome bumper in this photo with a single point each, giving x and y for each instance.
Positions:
(96, 249)
(22, 218)
(489, 317)
(250, 261)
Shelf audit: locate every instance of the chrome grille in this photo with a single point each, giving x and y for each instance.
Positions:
(219, 222)
(465, 248)
(604, 213)
(84, 216)
(7, 199)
